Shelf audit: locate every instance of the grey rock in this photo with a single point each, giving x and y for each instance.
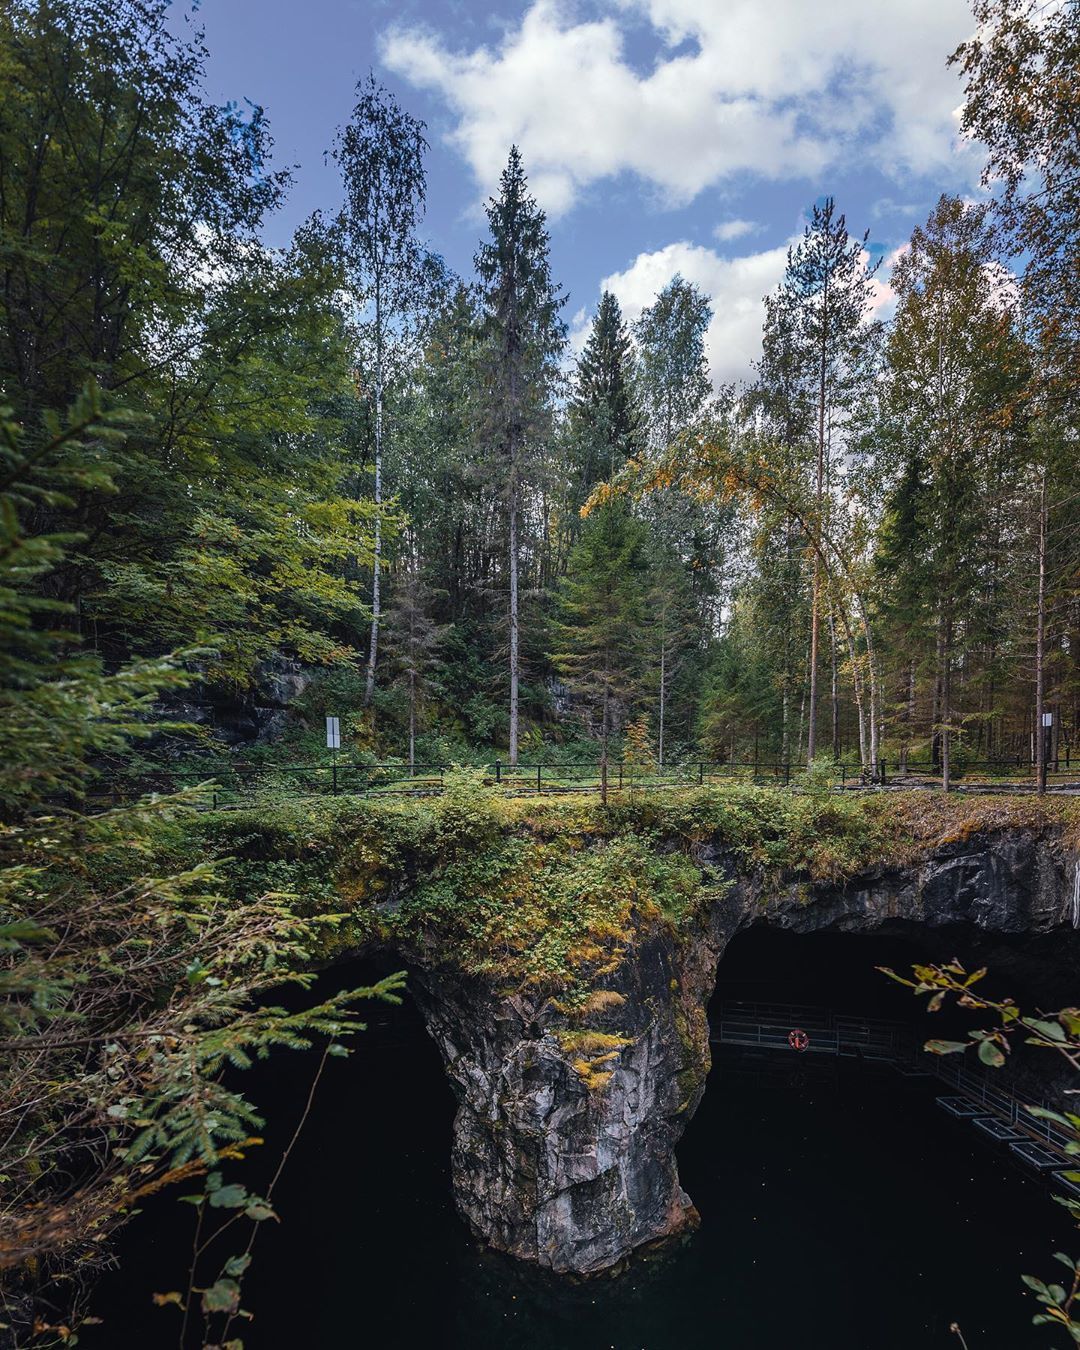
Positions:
(574, 1175)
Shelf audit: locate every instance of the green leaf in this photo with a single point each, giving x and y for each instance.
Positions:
(259, 1211)
(1052, 1031)
(236, 1265)
(945, 1047)
(990, 1054)
(223, 1296)
(228, 1197)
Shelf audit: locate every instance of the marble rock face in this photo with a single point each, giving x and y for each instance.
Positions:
(563, 1155)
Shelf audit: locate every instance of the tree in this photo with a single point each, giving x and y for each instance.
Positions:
(674, 621)
(413, 639)
(130, 209)
(1020, 102)
(600, 638)
(605, 421)
(956, 368)
(673, 373)
(127, 983)
(817, 324)
(381, 157)
(523, 338)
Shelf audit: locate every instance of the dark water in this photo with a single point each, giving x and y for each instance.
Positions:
(841, 1210)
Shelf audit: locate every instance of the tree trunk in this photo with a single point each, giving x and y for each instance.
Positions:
(663, 689)
(811, 732)
(412, 723)
(815, 609)
(376, 590)
(909, 718)
(1040, 646)
(514, 627)
(835, 688)
(604, 750)
(946, 699)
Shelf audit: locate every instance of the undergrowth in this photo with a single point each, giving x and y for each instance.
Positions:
(550, 893)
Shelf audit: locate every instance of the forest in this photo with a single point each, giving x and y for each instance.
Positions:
(481, 543)
(474, 540)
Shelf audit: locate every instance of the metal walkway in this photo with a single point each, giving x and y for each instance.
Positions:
(979, 1094)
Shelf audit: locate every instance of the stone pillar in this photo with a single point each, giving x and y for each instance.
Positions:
(568, 1117)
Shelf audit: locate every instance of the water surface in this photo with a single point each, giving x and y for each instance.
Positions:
(841, 1210)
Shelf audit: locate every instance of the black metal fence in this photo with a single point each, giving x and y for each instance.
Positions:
(239, 783)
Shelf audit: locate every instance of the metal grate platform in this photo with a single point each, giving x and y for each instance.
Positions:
(961, 1107)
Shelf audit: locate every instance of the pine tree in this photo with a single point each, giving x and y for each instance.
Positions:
(673, 373)
(523, 338)
(816, 326)
(600, 638)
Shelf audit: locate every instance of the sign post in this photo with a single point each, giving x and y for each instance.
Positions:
(333, 743)
(1047, 733)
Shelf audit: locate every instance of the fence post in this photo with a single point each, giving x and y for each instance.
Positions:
(498, 771)
(538, 768)
(335, 777)
(787, 774)
(620, 775)
(700, 772)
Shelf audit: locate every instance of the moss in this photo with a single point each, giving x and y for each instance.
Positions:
(589, 1004)
(591, 1042)
(550, 895)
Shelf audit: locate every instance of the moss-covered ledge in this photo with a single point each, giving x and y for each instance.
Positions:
(564, 955)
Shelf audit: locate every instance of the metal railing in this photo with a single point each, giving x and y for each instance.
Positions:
(239, 782)
(766, 1026)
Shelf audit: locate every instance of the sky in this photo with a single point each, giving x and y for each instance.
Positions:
(660, 136)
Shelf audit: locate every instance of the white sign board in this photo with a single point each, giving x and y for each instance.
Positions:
(333, 734)
(1048, 719)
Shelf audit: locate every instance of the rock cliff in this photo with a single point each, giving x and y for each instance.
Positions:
(568, 1116)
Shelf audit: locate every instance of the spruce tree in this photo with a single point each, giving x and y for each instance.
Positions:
(601, 634)
(604, 416)
(523, 338)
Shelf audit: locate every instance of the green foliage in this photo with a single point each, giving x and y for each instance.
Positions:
(131, 987)
(130, 213)
(1059, 1032)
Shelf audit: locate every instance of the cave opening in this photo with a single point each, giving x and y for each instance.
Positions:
(839, 1207)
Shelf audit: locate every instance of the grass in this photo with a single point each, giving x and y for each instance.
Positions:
(550, 892)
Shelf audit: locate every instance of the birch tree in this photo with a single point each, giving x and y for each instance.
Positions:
(381, 157)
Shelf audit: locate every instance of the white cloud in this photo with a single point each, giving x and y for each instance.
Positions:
(787, 88)
(737, 287)
(728, 230)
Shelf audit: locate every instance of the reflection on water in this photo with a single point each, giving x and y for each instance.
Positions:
(840, 1211)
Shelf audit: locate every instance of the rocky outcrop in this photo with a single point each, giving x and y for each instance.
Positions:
(569, 1114)
(564, 1139)
(243, 716)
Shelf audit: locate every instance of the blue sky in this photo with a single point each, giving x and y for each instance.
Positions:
(660, 135)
